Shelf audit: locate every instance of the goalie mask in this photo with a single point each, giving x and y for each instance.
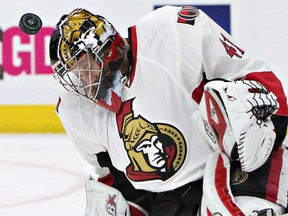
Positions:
(86, 53)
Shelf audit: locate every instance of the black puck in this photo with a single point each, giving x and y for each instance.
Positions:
(30, 23)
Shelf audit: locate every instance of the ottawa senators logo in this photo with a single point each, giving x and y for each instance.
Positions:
(155, 150)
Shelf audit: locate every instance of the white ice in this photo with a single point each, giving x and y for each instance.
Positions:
(41, 175)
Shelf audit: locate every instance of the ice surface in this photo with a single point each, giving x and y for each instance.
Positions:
(41, 174)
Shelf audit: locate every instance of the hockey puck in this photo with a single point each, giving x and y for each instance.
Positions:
(30, 23)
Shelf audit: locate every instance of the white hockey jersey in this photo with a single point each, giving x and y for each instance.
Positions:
(153, 139)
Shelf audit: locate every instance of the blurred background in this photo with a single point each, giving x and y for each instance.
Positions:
(40, 169)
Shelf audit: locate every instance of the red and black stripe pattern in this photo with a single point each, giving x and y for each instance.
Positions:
(188, 15)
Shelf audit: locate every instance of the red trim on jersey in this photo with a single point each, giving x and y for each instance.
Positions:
(107, 180)
(272, 186)
(273, 84)
(198, 91)
(222, 190)
(58, 104)
(134, 45)
(125, 109)
(115, 105)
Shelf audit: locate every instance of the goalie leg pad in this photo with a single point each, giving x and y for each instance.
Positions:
(217, 195)
(268, 183)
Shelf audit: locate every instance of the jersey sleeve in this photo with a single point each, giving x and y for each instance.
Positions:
(224, 58)
(81, 136)
(92, 159)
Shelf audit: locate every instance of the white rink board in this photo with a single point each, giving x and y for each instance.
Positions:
(260, 27)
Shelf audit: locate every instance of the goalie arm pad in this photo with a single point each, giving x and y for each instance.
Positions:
(237, 118)
(104, 200)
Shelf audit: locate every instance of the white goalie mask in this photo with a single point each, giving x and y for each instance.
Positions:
(86, 53)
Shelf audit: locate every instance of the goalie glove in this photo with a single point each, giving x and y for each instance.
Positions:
(236, 117)
(104, 200)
